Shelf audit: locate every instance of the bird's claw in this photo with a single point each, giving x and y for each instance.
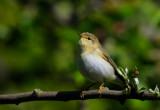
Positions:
(100, 90)
(83, 93)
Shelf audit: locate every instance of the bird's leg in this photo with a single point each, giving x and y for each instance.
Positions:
(101, 87)
(86, 89)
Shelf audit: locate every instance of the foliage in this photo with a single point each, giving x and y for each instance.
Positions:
(38, 41)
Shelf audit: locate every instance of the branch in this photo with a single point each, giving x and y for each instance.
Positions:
(38, 95)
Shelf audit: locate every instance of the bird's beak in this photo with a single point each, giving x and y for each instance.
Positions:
(79, 35)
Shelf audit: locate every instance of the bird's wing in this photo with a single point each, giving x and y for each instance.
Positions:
(106, 57)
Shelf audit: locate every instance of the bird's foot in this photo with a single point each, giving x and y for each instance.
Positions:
(85, 90)
(100, 90)
(83, 93)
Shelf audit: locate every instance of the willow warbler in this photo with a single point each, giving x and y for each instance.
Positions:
(94, 62)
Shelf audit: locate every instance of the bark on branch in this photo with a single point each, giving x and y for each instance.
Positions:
(38, 95)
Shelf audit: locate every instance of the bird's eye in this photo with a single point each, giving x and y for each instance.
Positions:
(89, 38)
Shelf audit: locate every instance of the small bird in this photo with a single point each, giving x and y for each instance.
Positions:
(94, 62)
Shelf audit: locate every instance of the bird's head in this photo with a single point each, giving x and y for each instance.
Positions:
(88, 41)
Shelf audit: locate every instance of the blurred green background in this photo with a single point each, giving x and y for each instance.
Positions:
(38, 42)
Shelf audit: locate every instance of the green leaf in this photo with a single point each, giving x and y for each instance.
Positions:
(156, 89)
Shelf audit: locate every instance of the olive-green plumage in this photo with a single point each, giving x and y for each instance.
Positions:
(94, 62)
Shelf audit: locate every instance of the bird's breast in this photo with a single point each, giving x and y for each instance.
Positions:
(95, 68)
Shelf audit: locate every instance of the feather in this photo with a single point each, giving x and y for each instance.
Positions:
(107, 57)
